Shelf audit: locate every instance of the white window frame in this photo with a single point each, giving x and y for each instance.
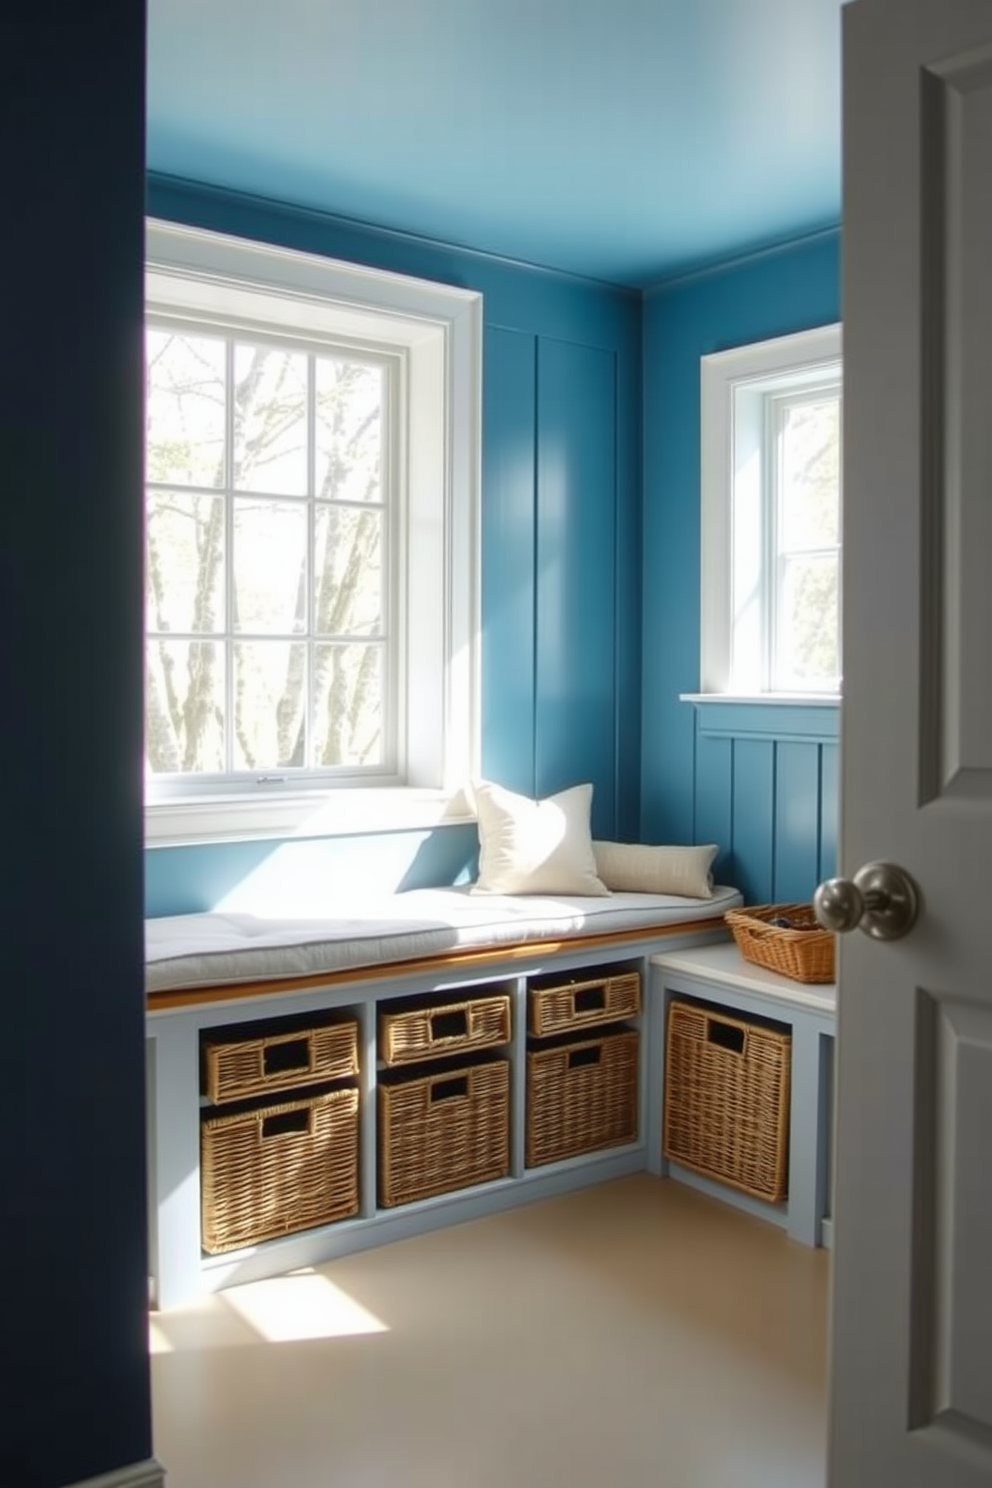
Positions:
(734, 660)
(436, 330)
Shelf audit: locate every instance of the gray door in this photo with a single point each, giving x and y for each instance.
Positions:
(911, 1358)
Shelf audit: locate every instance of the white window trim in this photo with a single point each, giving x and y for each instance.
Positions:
(439, 328)
(720, 374)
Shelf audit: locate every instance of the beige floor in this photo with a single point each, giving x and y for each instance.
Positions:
(634, 1335)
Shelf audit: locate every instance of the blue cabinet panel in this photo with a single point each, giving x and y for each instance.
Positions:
(829, 811)
(797, 824)
(575, 734)
(714, 806)
(754, 819)
(764, 786)
(508, 517)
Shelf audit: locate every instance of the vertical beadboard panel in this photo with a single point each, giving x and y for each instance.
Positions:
(714, 803)
(765, 789)
(754, 818)
(508, 516)
(829, 810)
(797, 814)
(575, 690)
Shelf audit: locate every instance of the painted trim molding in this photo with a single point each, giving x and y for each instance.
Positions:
(435, 330)
(799, 720)
(149, 1474)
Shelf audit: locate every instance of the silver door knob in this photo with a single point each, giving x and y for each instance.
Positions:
(881, 899)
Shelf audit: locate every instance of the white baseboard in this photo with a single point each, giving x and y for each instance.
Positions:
(149, 1474)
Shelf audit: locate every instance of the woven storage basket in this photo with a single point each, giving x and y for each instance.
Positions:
(560, 1006)
(581, 1095)
(803, 952)
(443, 1130)
(443, 1029)
(279, 1168)
(236, 1067)
(727, 1098)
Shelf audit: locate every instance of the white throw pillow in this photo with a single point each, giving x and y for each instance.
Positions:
(641, 869)
(535, 847)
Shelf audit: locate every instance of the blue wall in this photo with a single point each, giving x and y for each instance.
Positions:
(561, 538)
(750, 783)
(72, 1056)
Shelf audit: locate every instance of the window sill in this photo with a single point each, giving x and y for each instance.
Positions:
(339, 813)
(799, 717)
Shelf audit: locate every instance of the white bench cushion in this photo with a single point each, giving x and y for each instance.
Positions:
(208, 950)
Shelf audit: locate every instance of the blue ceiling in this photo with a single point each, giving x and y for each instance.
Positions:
(628, 140)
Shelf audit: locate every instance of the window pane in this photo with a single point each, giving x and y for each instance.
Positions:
(349, 430)
(348, 571)
(185, 408)
(270, 420)
(184, 707)
(184, 557)
(269, 562)
(809, 494)
(807, 649)
(348, 689)
(270, 695)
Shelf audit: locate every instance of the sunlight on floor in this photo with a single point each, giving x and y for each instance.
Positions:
(301, 1305)
(285, 1309)
(157, 1341)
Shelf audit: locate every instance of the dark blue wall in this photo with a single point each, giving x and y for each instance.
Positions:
(72, 1226)
(561, 540)
(769, 799)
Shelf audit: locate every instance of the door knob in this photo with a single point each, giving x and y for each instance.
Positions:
(881, 899)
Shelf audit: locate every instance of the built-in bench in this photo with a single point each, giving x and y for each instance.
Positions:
(210, 975)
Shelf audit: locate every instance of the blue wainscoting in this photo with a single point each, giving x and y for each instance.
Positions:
(765, 788)
(305, 875)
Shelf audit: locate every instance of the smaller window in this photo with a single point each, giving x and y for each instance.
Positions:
(771, 517)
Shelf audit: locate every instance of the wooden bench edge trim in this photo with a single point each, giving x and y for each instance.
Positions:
(515, 951)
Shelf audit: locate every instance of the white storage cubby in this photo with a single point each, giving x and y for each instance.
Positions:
(720, 976)
(181, 1271)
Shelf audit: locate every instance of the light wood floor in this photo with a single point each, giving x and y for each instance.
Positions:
(634, 1335)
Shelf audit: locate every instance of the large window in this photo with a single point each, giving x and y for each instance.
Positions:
(311, 528)
(771, 517)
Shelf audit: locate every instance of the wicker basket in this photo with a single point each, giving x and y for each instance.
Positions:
(556, 1006)
(277, 1169)
(435, 1028)
(803, 951)
(300, 1053)
(443, 1130)
(581, 1095)
(727, 1098)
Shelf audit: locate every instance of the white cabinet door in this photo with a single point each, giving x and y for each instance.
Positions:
(911, 1366)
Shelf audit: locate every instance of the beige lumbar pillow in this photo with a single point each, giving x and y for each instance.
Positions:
(638, 868)
(535, 847)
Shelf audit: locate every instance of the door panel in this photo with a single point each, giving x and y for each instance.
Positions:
(911, 1378)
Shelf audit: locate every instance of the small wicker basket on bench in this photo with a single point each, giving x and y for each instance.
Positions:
(799, 949)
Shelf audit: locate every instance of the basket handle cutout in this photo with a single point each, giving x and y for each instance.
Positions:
(725, 1036)
(590, 1000)
(452, 1024)
(449, 1089)
(286, 1055)
(579, 1057)
(286, 1123)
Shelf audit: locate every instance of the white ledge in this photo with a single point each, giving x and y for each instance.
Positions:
(766, 699)
(338, 813)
